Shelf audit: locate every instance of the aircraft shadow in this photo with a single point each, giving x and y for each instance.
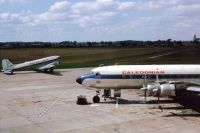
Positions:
(187, 103)
(22, 72)
(56, 73)
(190, 103)
(175, 108)
(183, 109)
(183, 115)
(34, 71)
(124, 101)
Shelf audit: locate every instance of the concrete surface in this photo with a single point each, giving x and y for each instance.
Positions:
(33, 102)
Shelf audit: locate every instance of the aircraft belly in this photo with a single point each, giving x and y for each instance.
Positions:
(114, 83)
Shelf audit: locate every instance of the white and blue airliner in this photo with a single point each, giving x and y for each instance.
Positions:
(154, 80)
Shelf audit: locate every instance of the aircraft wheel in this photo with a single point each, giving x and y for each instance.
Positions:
(51, 70)
(96, 99)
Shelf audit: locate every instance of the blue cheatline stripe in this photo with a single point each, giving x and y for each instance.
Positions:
(165, 76)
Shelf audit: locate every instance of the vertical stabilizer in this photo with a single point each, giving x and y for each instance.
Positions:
(7, 65)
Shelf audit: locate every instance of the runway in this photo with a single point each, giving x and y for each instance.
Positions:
(32, 102)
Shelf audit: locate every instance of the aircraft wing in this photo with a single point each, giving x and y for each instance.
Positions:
(185, 84)
(48, 66)
(186, 88)
(194, 89)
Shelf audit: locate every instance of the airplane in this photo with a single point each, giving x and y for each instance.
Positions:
(154, 80)
(43, 64)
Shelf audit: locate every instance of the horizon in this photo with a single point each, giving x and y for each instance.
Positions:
(92, 41)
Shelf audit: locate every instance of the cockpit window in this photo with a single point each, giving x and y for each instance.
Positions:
(97, 73)
(94, 73)
(91, 73)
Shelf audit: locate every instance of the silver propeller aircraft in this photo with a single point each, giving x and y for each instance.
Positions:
(43, 64)
(154, 80)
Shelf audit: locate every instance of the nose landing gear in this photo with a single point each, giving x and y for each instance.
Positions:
(107, 95)
(96, 99)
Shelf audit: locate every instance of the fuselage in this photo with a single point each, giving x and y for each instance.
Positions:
(134, 76)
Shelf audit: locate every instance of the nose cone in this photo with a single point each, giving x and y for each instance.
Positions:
(79, 80)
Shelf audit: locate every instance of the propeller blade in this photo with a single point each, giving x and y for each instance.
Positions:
(158, 97)
(158, 88)
(155, 90)
(145, 90)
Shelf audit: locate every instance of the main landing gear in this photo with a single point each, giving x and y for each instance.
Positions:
(106, 94)
(49, 70)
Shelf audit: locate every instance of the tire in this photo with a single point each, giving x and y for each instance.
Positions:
(51, 70)
(96, 99)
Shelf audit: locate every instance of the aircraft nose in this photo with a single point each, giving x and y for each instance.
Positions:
(79, 80)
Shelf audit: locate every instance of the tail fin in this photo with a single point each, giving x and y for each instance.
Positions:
(7, 65)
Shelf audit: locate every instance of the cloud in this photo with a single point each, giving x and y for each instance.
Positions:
(57, 12)
(93, 13)
(168, 2)
(8, 16)
(139, 5)
(60, 6)
(127, 5)
(187, 10)
(110, 16)
(81, 7)
(89, 7)
(83, 14)
(145, 5)
(105, 2)
(188, 2)
(42, 18)
(92, 20)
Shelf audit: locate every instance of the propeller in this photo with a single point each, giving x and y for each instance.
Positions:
(156, 91)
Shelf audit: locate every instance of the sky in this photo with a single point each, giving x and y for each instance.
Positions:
(98, 20)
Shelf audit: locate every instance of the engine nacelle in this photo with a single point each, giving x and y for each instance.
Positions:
(167, 90)
(151, 87)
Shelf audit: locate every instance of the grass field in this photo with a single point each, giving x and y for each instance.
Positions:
(91, 57)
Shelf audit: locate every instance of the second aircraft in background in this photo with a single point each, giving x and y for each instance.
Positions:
(43, 64)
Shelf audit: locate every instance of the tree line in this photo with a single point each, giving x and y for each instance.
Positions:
(88, 44)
